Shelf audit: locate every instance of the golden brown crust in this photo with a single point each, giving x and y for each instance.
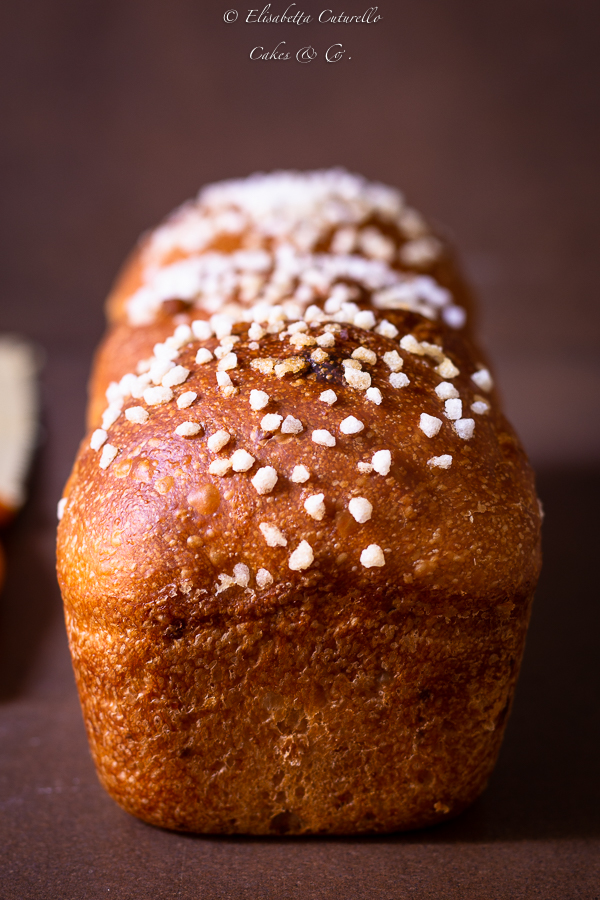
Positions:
(124, 345)
(140, 553)
(329, 716)
(443, 267)
(227, 688)
(489, 480)
(118, 353)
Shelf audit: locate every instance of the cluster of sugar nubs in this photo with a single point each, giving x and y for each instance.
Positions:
(298, 208)
(256, 278)
(162, 380)
(279, 220)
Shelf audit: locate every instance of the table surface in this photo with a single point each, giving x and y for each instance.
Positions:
(112, 113)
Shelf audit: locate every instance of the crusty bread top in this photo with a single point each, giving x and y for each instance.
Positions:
(294, 403)
(276, 248)
(248, 462)
(288, 236)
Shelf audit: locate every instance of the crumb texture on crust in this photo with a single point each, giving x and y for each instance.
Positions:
(322, 717)
(299, 543)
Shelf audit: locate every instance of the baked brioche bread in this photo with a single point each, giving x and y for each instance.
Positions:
(299, 546)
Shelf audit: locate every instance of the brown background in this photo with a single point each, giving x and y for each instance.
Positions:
(486, 115)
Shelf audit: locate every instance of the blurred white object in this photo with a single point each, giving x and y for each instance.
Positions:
(18, 418)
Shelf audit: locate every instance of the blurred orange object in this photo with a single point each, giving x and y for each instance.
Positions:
(18, 424)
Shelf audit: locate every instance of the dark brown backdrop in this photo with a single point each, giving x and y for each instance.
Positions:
(486, 115)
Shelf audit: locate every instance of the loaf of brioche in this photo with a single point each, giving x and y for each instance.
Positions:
(300, 541)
